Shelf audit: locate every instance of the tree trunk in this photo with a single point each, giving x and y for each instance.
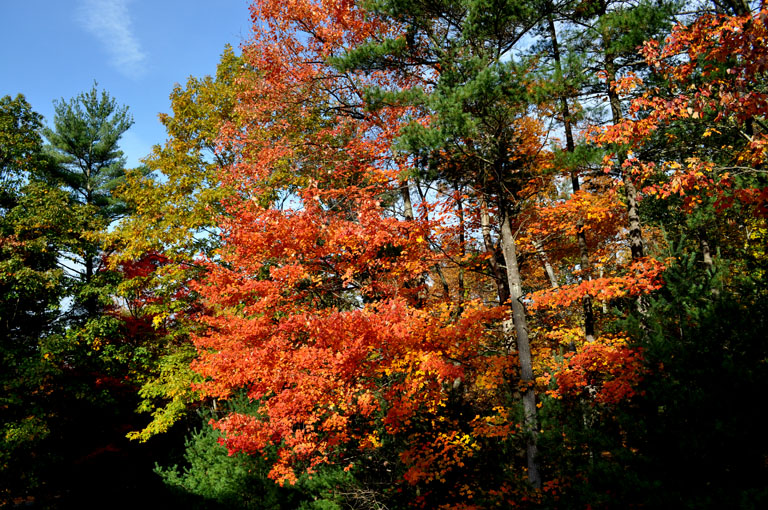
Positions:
(91, 304)
(636, 244)
(523, 346)
(405, 193)
(547, 265)
(706, 252)
(630, 191)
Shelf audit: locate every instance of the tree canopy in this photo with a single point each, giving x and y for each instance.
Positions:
(450, 254)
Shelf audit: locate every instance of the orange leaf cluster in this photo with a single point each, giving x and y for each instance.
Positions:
(642, 276)
(604, 372)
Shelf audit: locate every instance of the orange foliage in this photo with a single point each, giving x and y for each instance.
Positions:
(725, 56)
(643, 276)
(605, 371)
(317, 303)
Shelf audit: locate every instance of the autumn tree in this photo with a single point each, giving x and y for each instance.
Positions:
(323, 262)
(174, 206)
(698, 140)
(602, 39)
(175, 203)
(475, 131)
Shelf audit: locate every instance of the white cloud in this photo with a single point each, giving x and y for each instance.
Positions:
(110, 23)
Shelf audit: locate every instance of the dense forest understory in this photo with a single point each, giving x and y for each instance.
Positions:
(453, 254)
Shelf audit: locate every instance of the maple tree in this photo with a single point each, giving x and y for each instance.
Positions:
(175, 202)
(445, 254)
(270, 248)
(475, 134)
(296, 274)
(315, 267)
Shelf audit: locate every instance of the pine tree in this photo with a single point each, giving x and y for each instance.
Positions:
(89, 165)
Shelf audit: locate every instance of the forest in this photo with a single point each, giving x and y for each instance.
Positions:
(439, 254)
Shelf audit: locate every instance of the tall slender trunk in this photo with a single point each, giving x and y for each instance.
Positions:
(706, 251)
(547, 265)
(581, 236)
(91, 305)
(405, 194)
(605, 303)
(706, 254)
(523, 346)
(636, 243)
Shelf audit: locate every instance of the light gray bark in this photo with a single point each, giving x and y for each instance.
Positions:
(547, 264)
(523, 347)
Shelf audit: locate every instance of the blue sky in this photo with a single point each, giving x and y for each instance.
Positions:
(135, 49)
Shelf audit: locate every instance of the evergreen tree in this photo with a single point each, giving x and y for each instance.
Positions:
(89, 165)
(84, 141)
(475, 94)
